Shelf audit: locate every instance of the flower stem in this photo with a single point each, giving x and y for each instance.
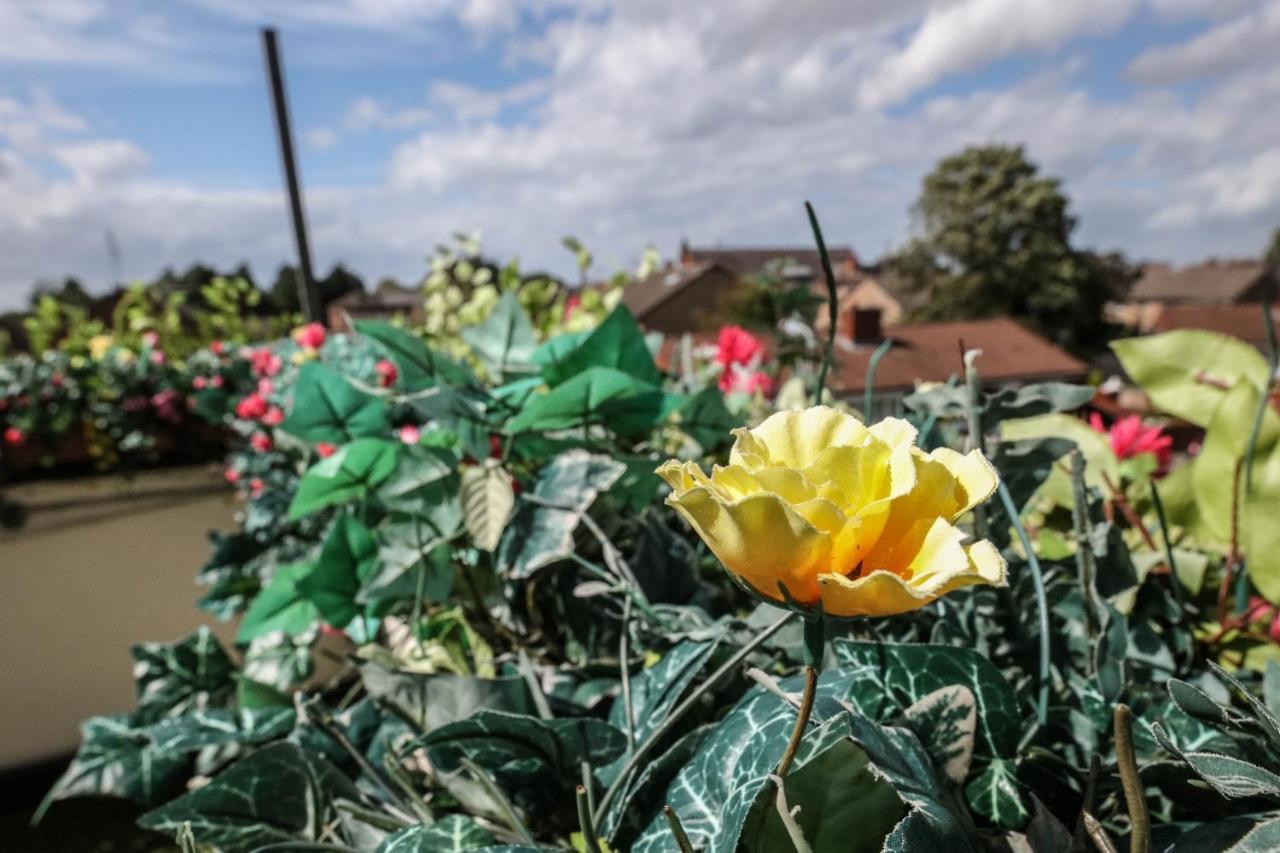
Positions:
(677, 829)
(1134, 797)
(814, 645)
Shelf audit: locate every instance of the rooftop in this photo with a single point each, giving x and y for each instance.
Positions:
(1213, 281)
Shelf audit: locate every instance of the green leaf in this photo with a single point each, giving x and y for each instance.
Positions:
(1229, 776)
(424, 478)
(1096, 447)
(452, 834)
(1111, 654)
(539, 534)
(280, 607)
(348, 558)
(1187, 372)
(888, 677)
(279, 793)
(117, 758)
(174, 678)
(504, 343)
(706, 420)
(557, 349)
(598, 396)
(522, 749)
(487, 500)
(1263, 838)
(428, 701)
(419, 366)
(645, 794)
(349, 474)
(1028, 401)
(412, 561)
(328, 408)
(616, 343)
(994, 795)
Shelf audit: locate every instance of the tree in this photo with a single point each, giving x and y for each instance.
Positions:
(994, 238)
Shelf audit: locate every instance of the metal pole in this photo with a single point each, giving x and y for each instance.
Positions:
(308, 296)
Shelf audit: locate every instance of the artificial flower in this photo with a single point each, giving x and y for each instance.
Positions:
(1129, 438)
(819, 511)
(736, 345)
(310, 336)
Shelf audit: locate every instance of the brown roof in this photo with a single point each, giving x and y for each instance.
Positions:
(1242, 321)
(1213, 281)
(645, 294)
(751, 260)
(930, 352)
(384, 298)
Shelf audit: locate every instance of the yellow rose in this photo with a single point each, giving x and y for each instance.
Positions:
(99, 345)
(816, 507)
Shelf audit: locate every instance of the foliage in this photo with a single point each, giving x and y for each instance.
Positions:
(995, 239)
(460, 598)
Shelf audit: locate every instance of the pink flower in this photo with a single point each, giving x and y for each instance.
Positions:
(199, 382)
(265, 362)
(168, 404)
(265, 387)
(387, 373)
(15, 436)
(150, 339)
(260, 442)
(1130, 438)
(157, 357)
(571, 305)
(252, 407)
(735, 378)
(273, 416)
(737, 346)
(216, 382)
(255, 487)
(311, 335)
(231, 475)
(218, 348)
(324, 449)
(410, 434)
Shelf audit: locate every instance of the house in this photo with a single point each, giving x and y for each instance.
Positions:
(384, 303)
(1244, 321)
(695, 297)
(747, 261)
(1213, 282)
(932, 352)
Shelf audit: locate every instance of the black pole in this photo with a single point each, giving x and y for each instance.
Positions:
(308, 296)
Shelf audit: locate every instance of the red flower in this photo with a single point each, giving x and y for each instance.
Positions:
(324, 449)
(410, 434)
(737, 346)
(1130, 438)
(231, 475)
(252, 407)
(311, 335)
(571, 304)
(387, 373)
(199, 382)
(255, 487)
(260, 442)
(265, 362)
(273, 417)
(748, 382)
(13, 435)
(217, 348)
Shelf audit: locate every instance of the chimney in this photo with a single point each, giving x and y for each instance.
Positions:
(686, 253)
(862, 326)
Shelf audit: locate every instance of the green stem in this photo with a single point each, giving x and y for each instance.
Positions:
(868, 393)
(833, 301)
(1134, 797)
(683, 708)
(1168, 545)
(624, 665)
(1042, 603)
(802, 721)
(677, 829)
(584, 822)
(1084, 546)
(976, 439)
(535, 689)
(500, 800)
(1273, 361)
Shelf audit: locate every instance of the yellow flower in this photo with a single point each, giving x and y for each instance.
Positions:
(815, 507)
(99, 345)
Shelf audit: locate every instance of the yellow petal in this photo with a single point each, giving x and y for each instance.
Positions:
(681, 476)
(894, 432)
(795, 439)
(940, 554)
(876, 594)
(761, 540)
(975, 476)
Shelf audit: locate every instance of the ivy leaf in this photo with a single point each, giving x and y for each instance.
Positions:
(427, 701)
(282, 606)
(348, 558)
(419, 366)
(328, 408)
(539, 534)
(487, 500)
(452, 834)
(522, 749)
(598, 396)
(277, 794)
(201, 729)
(504, 343)
(349, 474)
(424, 478)
(946, 722)
(413, 562)
(889, 677)
(174, 678)
(644, 794)
(118, 758)
(1263, 838)
(617, 343)
(994, 795)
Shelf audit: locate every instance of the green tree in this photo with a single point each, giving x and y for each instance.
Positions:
(994, 238)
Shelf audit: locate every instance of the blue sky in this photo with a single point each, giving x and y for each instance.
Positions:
(629, 125)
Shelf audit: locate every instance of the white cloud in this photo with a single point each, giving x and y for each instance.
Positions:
(101, 161)
(370, 114)
(1238, 42)
(964, 36)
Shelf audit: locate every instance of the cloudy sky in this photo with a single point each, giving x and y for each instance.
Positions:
(146, 125)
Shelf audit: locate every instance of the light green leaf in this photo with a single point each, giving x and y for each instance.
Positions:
(328, 408)
(597, 396)
(487, 500)
(348, 558)
(994, 795)
(616, 343)
(419, 366)
(280, 607)
(504, 343)
(946, 722)
(349, 474)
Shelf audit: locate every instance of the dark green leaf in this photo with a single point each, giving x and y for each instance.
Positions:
(175, 678)
(117, 758)
(428, 701)
(995, 795)
(198, 730)
(616, 343)
(419, 366)
(349, 474)
(705, 419)
(598, 396)
(348, 558)
(328, 408)
(452, 834)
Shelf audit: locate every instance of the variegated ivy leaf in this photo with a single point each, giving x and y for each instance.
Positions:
(890, 677)
(173, 678)
(428, 701)
(452, 834)
(277, 794)
(118, 758)
(542, 530)
(995, 796)
(946, 721)
(192, 732)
